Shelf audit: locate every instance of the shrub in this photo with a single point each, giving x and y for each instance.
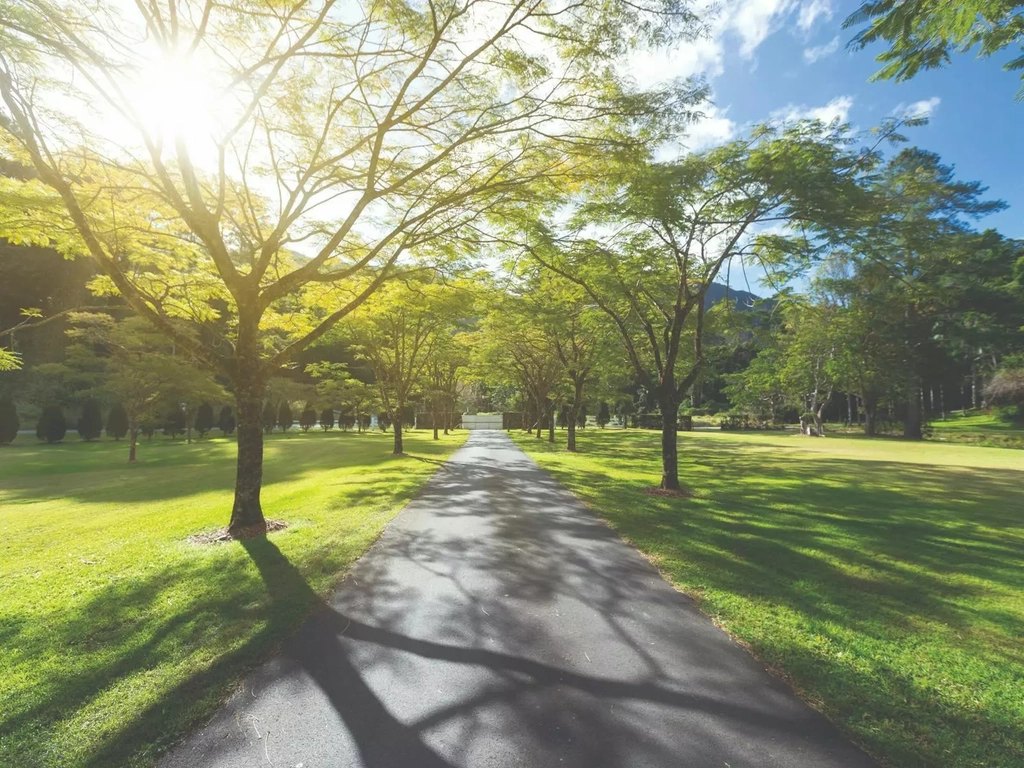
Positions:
(9, 423)
(174, 425)
(581, 417)
(117, 422)
(307, 419)
(226, 420)
(383, 421)
(51, 427)
(204, 419)
(269, 417)
(148, 427)
(90, 423)
(603, 415)
(284, 416)
(327, 419)
(346, 419)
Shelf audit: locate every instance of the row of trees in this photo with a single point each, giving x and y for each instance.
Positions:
(349, 162)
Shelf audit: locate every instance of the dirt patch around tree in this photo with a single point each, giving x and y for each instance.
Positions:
(222, 535)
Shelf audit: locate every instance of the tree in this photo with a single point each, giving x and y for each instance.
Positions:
(90, 423)
(51, 426)
(603, 415)
(204, 419)
(226, 420)
(1007, 388)
(284, 416)
(9, 424)
(117, 422)
(366, 134)
(327, 419)
(307, 419)
(395, 332)
(335, 383)
(133, 365)
(922, 34)
(175, 422)
(672, 227)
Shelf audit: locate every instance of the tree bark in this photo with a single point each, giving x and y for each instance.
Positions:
(397, 425)
(247, 519)
(912, 423)
(570, 442)
(134, 437)
(433, 421)
(870, 403)
(669, 444)
(551, 422)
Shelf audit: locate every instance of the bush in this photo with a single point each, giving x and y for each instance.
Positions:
(117, 422)
(307, 419)
(346, 419)
(51, 427)
(365, 421)
(269, 417)
(174, 425)
(603, 415)
(204, 419)
(383, 421)
(284, 416)
(581, 417)
(9, 423)
(90, 423)
(226, 420)
(148, 427)
(327, 419)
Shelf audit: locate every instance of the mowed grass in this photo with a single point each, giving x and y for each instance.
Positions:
(116, 633)
(885, 579)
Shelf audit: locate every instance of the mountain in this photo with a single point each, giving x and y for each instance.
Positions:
(743, 300)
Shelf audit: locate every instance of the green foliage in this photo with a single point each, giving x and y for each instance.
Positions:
(921, 34)
(269, 418)
(117, 422)
(603, 415)
(204, 419)
(284, 416)
(175, 423)
(90, 423)
(307, 419)
(383, 421)
(327, 419)
(51, 426)
(226, 420)
(9, 423)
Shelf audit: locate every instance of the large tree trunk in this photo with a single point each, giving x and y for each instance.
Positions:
(247, 518)
(397, 425)
(669, 443)
(870, 403)
(912, 423)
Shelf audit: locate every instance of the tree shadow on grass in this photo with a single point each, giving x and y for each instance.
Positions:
(858, 551)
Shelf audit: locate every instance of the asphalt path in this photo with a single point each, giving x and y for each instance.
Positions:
(498, 623)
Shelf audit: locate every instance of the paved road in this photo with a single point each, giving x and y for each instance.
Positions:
(498, 623)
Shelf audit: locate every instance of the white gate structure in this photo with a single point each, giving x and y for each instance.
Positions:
(481, 421)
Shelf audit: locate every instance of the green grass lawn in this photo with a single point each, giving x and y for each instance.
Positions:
(116, 633)
(885, 579)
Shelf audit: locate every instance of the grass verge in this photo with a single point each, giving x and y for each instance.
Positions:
(117, 634)
(883, 578)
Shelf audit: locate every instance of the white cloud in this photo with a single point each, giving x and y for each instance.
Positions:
(837, 109)
(811, 11)
(750, 22)
(923, 108)
(714, 128)
(811, 55)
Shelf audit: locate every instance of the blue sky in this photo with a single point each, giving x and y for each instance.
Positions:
(766, 58)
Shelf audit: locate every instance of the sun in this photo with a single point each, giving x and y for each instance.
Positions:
(174, 97)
